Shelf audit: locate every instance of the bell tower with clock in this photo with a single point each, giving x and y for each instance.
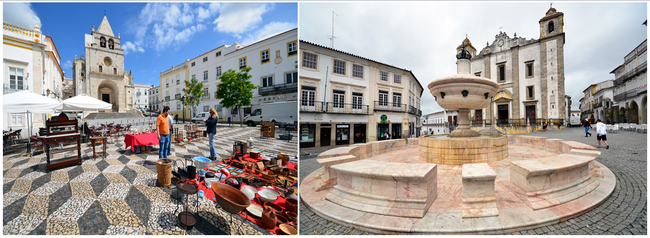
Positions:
(551, 39)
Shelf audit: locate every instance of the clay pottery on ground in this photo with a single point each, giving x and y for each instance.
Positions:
(275, 207)
(231, 199)
(292, 204)
(281, 219)
(292, 216)
(287, 230)
(268, 218)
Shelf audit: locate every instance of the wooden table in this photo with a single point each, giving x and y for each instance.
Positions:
(56, 140)
(98, 140)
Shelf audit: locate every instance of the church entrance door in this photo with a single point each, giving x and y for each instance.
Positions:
(503, 114)
(530, 114)
(106, 98)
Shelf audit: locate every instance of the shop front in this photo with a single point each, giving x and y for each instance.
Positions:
(307, 135)
(396, 131)
(342, 134)
(359, 133)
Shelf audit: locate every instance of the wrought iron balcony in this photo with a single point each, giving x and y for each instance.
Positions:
(278, 88)
(347, 108)
(626, 95)
(629, 75)
(311, 106)
(177, 96)
(167, 98)
(389, 106)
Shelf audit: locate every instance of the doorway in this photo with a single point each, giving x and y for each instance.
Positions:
(397, 131)
(106, 98)
(502, 113)
(325, 136)
(530, 114)
(382, 130)
(307, 133)
(359, 133)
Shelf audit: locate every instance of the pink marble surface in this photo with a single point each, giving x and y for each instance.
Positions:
(445, 212)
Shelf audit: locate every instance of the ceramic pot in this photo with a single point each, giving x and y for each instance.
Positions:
(292, 204)
(287, 230)
(274, 207)
(292, 216)
(268, 218)
(281, 219)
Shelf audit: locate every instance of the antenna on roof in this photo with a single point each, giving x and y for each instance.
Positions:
(104, 12)
(331, 37)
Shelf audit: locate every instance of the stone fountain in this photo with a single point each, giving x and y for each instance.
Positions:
(463, 183)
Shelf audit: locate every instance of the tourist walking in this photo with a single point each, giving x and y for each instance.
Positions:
(544, 125)
(601, 132)
(171, 133)
(163, 133)
(211, 124)
(587, 125)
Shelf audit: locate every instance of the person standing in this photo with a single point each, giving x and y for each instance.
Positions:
(601, 132)
(211, 123)
(587, 125)
(163, 133)
(176, 117)
(171, 134)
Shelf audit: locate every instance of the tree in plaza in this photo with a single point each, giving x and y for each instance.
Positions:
(193, 94)
(236, 89)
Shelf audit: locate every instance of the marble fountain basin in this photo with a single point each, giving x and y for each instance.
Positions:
(453, 87)
(394, 191)
(442, 149)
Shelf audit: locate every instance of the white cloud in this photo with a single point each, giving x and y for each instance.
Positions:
(163, 25)
(237, 18)
(268, 30)
(129, 47)
(20, 14)
(67, 65)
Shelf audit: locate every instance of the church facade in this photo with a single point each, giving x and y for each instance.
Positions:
(530, 74)
(100, 73)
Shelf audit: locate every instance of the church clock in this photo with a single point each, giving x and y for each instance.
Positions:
(107, 62)
(500, 43)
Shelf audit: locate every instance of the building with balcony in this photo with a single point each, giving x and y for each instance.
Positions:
(30, 62)
(172, 82)
(347, 99)
(630, 87)
(154, 99)
(101, 73)
(275, 74)
(140, 97)
(597, 102)
(530, 73)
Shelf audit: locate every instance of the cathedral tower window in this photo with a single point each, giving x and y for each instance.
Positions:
(502, 72)
(114, 70)
(110, 44)
(551, 27)
(100, 68)
(102, 42)
(529, 69)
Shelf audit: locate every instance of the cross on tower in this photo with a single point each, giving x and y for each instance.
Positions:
(551, 5)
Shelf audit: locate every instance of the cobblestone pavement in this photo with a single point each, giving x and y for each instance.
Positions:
(117, 194)
(623, 213)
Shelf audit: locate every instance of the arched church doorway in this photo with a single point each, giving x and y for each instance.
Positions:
(107, 91)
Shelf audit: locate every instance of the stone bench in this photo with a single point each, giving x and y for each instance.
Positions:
(387, 188)
(327, 163)
(478, 191)
(550, 181)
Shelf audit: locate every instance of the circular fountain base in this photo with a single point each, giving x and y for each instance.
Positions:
(463, 150)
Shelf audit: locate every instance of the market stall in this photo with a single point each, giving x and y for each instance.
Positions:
(140, 140)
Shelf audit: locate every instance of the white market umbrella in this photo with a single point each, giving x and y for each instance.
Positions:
(28, 102)
(84, 102)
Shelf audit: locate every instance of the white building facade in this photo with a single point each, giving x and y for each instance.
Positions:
(530, 73)
(154, 98)
(31, 62)
(140, 96)
(437, 123)
(630, 87)
(273, 69)
(347, 99)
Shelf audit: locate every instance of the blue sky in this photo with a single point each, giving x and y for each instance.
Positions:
(155, 36)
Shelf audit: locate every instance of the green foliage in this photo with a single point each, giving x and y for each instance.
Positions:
(193, 94)
(236, 89)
